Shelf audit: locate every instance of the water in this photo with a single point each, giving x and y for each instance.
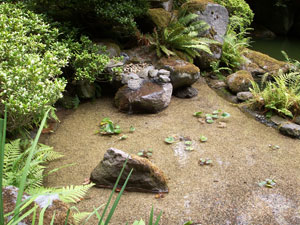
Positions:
(274, 47)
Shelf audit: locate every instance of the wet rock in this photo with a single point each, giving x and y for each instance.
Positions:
(290, 129)
(239, 81)
(277, 120)
(164, 79)
(186, 92)
(244, 95)
(146, 177)
(258, 63)
(217, 17)
(217, 84)
(145, 72)
(85, 89)
(10, 194)
(148, 97)
(182, 73)
(160, 17)
(297, 120)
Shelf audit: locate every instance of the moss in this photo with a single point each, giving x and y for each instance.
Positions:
(264, 61)
(196, 5)
(179, 65)
(160, 17)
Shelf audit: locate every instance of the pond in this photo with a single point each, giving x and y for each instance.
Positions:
(274, 47)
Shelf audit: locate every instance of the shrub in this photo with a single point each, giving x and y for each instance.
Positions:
(31, 59)
(180, 38)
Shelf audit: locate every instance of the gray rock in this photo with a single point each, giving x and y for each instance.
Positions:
(164, 79)
(112, 48)
(244, 95)
(130, 76)
(278, 120)
(152, 73)
(186, 92)
(135, 84)
(146, 177)
(150, 97)
(144, 73)
(217, 84)
(290, 129)
(297, 120)
(164, 72)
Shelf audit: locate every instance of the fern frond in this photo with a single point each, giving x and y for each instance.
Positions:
(73, 193)
(11, 153)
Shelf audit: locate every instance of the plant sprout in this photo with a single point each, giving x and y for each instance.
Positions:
(203, 138)
(170, 140)
(269, 183)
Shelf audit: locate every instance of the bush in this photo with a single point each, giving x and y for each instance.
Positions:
(31, 59)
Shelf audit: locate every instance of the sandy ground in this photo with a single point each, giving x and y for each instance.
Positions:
(225, 193)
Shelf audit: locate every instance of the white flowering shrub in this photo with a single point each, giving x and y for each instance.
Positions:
(31, 59)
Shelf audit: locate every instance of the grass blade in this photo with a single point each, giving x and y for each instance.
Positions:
(41, 217)
(67, 217)
(2, 144)
(151, 217)
(27, 165)
(112, 192)
(112, 210)
(52, 220)
(17, 221)
(158, 218)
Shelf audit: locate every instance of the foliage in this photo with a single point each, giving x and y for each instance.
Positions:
(145, 153)
(295, 64)
(178, 3)
(205, 162)
(15, 159)
(180, 37)
(232, 47)
(170, 140)
(30, 63)
(107, 126)
(239, 11)
(203, 138)
(269, 183)
(118, 14)
(282, 96)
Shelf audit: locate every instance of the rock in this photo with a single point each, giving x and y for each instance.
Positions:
(146, 177)
(145, 72)
(186, 92)
(160, 17)
(297, 120)
(258, 63)
(153, 73)
(112, 48)
(164, 72)
(164, 79)
(277, 120)
(135, 84)
(217, 84)
(85, 89)
(130, 76)
(244, 95)
(217, 17)
(150, 97)
(239, 81)
(182, 73)
(290, 129)
(166, 4)
(10, 193)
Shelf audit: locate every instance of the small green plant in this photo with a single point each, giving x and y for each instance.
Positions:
(281, 96)
(123, 137)
(203, 138)
(170, 140)
(132, 129)
(205, 162)
(107, 127)
(269, 183)
(180, 38)
(295, 63)
(274, 147)
(145, 153)
(198, 114)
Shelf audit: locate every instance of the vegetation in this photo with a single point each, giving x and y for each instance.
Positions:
(107, 126)
(180, 38)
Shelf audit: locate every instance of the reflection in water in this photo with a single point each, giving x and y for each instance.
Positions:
(274, 47)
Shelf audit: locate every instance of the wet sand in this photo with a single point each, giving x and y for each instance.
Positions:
(225, 193)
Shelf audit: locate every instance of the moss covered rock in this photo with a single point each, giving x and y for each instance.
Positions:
(258, 63)
(239, 81)
(159, 17)
(182, 73)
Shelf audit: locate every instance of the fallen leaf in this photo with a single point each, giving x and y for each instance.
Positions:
(202, 120)
(222, 125)
(86, 181)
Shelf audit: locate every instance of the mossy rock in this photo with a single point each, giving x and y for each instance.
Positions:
(196, 5)
(160, 17)
(239, 81)
(258, 63)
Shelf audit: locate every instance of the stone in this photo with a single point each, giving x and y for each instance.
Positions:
(182, 73)
(160, 17)
(150, 97)
(277, 120)
(130, 76)
(164, 79)
(258, 63)
(135, 84)
(153, 73)
(146, 177)
(144, 72)
(164, 72)
(239, 81)
(186, 92)
(217, 84)
(112, 48)
(217, 17)
(85, 89)
(165, 4)
(10, 194)
(290, 129)
(244, 95)
(297, 120)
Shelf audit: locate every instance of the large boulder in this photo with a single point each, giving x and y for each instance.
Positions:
(146, 177)
(112, 48)
(239, 81)
(165, 4)
(160, 17)
(217, 17)
(258, 63)
(182, 73)
(56, 206)
(143, 96)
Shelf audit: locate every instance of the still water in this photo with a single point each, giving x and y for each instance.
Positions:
(274, 47)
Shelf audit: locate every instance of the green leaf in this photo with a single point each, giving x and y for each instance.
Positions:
(203, 138)
(225, 115)
(132, 129)
(198, 114)
(188, 142)
(170, 140)
(210, 121)
(189, 148)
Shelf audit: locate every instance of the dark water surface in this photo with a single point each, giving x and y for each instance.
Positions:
(274, 47)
